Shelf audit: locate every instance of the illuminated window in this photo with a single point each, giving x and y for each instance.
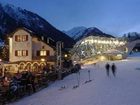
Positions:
(43, 53)
(21, 53)
(18, 53)
(24, 38)
(21, 38)
(24, 53)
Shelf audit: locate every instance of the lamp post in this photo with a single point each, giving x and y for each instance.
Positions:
(59, 60)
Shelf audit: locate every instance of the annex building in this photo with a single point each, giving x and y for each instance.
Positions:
(101, 48)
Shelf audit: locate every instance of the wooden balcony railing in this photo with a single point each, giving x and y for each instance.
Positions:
(47, 58)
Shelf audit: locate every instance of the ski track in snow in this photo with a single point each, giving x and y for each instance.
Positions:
(124, 89)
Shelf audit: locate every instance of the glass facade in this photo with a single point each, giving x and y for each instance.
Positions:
(94, 45)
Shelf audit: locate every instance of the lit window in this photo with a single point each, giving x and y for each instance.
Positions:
(24, 53)
(43, 53)
(17, 38)
(24, 38)
(21, 53)
(18, 53)
(21, 38)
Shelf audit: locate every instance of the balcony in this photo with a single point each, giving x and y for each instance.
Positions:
(47, 58)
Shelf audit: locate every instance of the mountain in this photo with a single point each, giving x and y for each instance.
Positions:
(132, 36)
(12, 17)
(76, 31)
(79, 32)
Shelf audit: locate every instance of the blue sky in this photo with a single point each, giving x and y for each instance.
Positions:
(111, 16)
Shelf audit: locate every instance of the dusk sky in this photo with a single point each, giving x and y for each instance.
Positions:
(111, 16)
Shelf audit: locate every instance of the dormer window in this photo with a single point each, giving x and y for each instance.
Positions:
(21, 38)
(50, 40)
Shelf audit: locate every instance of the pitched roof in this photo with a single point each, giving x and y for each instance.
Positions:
(34, 35)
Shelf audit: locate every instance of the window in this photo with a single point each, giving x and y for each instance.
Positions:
(21, 38)
(48, 53)
(38, 53)
(24, 53)
(20, 53)
(24, 38)
(43, 47)
(43, 53)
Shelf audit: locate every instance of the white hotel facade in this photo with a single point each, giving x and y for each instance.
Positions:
(28, 51)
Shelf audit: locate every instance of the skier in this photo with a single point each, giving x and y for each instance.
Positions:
(113, 69)
(107, 66)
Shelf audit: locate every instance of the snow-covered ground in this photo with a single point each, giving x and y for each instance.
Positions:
(124, 89)
(134, 55)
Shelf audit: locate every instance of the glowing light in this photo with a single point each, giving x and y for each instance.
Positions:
(102, 58)
(98, 52)
(65, 55)
(10, 45)
(119, 55)
(42, 60)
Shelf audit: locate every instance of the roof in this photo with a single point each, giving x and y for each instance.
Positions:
(21, 28)
(33, 34)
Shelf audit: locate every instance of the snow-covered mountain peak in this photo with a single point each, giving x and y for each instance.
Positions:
(12, 17)
(132, 34)
(76, 31)
(92, 30)
(16, 12)
(80, 32)
(2, 3)
(78, 28)
(10, 7)
(20, 14)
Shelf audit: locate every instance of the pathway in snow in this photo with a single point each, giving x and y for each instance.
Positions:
(124, 89)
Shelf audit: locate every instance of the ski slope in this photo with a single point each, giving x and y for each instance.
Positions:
(124, 89)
